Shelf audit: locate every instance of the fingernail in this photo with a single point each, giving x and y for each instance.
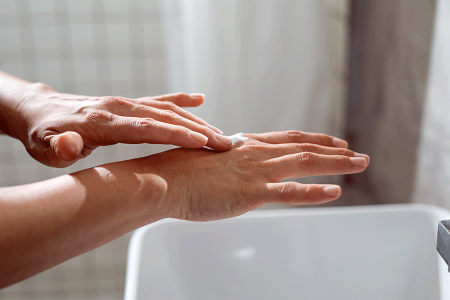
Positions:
(215, 129)
(223, 139)
(332, 190)
(339, 143)
(366, 157)
(358, 161)
(197, 95)
(198, 136)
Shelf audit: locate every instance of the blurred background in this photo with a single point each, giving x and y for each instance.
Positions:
(374, 72)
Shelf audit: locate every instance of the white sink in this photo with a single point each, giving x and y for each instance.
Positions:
(371, 252)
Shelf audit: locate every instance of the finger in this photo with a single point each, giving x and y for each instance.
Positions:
(312, 164)
(67, 146)
(178, 110)
(180, 99)
(146, 107)
(215, 141)
(137, 130)
(296, 193)
(292, 148)
(293, 136)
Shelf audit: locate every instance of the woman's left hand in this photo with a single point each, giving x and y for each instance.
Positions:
(59, 129)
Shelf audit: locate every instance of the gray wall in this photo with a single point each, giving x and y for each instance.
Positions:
(388, 72)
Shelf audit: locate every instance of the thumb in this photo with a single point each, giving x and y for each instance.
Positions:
(67, 145)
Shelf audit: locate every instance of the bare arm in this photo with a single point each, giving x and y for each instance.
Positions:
(46, 223)
(59, 129)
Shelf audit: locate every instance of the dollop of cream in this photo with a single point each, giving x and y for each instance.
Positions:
(238, 137)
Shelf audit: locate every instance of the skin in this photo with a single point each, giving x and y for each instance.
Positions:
(45, 223)
(59, 129)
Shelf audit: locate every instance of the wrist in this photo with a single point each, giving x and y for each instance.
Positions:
(15, 93)
(139, 192)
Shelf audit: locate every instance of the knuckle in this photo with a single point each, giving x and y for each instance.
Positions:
(252, 146)
(167, 116)
(113, 101)
(181, 95)
(309, 193)
(310, 148)
(341, 161)
(144, 122)
(344, 161)
(108, 100)
(321, 138)
(40, 86)
(307, 159)
(97, 116)
(35, 133)
(250, 169)
(324, 139)
(288, 190)
(295, 135)
(169, 105)
(175, 133)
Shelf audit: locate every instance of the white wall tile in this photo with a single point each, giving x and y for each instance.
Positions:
(118, 34)
(80, 17)
(28, 173)
(10, 38)
(79, 5)
(121, 70)
(27, 38)
(122, 88)
(11, 57)
(117, 16)
(42, 6)
(152, 33)
(8, 7)
(132, 4)
(45, 37)
(149, 5)
(82, 35)
(15, 69)
(87, 88)
(8, 175)
(157, 67)
(49, 72)
(45, 18)
(85, 71)
(120, 51)
(115, 5)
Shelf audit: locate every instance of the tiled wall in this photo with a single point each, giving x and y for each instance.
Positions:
(100, 47)
(89, 47)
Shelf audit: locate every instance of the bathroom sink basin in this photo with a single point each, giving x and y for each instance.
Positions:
(370, 252)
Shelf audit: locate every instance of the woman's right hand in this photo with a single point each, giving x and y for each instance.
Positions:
(203, 185)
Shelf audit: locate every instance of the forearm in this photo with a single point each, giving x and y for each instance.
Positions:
(46, 223)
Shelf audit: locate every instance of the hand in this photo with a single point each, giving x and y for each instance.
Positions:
(203, 185)
(59, 129)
